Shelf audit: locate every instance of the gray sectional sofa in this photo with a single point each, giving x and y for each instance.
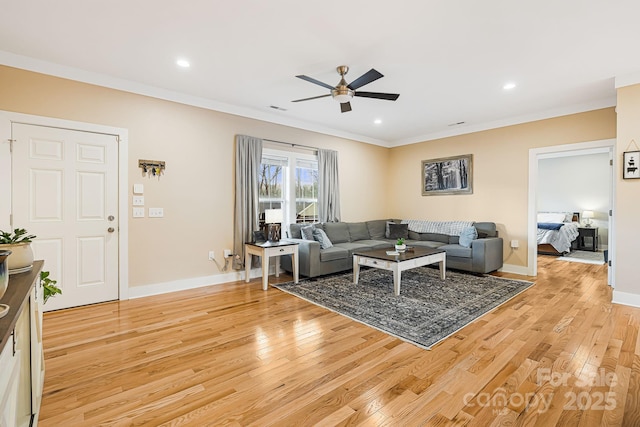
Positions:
(483, 255)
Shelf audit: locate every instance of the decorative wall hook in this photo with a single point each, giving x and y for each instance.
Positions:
(152, 167)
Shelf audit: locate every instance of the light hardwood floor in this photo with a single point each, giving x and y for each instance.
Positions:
(558, 354)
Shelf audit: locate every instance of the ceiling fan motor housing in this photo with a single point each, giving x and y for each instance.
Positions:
(342, 93)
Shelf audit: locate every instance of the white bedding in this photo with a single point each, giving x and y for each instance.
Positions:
(559, 239)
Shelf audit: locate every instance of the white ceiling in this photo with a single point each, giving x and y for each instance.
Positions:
(447, 59)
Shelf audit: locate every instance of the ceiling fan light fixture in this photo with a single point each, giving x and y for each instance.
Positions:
(342, 94)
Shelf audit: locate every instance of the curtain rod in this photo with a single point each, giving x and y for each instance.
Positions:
(292, 144)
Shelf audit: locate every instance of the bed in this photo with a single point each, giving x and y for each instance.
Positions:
(557, 232)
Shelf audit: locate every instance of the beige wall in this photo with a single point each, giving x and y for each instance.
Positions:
(197, 190)
(500, 173)
(627, 206)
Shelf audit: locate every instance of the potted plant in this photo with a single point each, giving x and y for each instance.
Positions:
(400, 246)
(19, 243)
(48, 286)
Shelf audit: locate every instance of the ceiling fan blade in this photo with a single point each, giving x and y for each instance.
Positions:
(314, 81)
(345, 107)
(378, 95)
(365, 79)
(313, 97)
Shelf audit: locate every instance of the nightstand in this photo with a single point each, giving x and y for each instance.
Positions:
(587, 239)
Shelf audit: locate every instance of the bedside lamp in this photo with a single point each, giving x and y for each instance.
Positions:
(273, 217)
(587, 215)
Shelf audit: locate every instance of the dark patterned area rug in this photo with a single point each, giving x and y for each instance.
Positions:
(427, 310)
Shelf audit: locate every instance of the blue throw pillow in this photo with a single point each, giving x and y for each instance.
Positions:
(467, 236)
(321, 237)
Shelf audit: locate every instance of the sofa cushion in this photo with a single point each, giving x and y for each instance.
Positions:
(307, 232)
(457, 251)
(431, 237)
(486, 229)
(338, 232)
(321, 237)
(468, 235)
(358, 231)
(376, 244)
(398, 231)
(353, 246)
(333, 254)
(435, 237)
(295, 230)
(377, 228)
(425, 243)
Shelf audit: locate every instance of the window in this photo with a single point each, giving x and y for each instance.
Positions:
(289, 181)
(271, 185)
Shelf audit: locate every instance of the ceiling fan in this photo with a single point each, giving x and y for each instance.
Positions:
(343, 92)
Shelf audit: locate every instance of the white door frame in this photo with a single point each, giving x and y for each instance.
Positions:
(534, 155)
(123, 180)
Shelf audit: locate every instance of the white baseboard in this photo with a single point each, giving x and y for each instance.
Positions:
(625, 298)
(181, 285)
(515, 269)
(192, 283)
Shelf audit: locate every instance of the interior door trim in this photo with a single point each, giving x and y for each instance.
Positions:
(122, 136)
(553, 151)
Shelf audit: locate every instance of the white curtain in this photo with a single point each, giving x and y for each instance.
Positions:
(328, 186)
(248, 159)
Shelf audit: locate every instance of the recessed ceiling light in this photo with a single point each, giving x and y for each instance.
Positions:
(183, 63)
(377, 121)
(509, 86)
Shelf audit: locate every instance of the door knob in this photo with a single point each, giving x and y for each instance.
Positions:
(111, 217)
(111, 229)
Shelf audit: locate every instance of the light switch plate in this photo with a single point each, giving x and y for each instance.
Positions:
(138, 188)
(138, 200)
(156, 212)
(138, 212)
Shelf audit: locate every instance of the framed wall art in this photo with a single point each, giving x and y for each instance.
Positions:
(630, 164)
(447, 175)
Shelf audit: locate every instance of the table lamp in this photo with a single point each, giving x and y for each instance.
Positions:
(273, 219)
(587, 215)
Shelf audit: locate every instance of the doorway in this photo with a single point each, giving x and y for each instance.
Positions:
(569, 150)
(68, 186)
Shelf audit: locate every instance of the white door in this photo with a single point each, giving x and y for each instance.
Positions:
(65, 191)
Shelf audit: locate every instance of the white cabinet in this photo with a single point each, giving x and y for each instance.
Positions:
(9, 382)
(22, 355)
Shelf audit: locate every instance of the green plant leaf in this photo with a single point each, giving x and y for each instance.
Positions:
(49, 286)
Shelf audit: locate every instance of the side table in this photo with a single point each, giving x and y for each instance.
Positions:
(588, 238)
(267, 250)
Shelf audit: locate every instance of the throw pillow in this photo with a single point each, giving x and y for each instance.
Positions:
(397, 231)
(386, 230)
(259, 236)
(321, 237)
(467, 236)
(307, 232)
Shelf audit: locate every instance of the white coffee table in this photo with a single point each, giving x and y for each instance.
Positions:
(418, 257)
